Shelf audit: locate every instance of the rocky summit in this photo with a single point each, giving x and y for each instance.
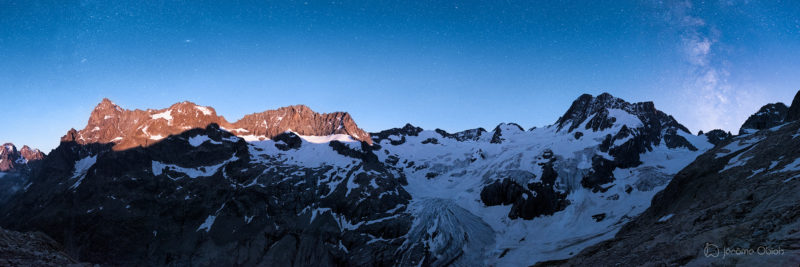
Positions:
(768, 116)
(109, 123)
(772, 115)
(12, 159)
(15, 168)
(736, 205)
(292, 187)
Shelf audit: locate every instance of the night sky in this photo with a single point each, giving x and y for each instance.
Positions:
(436, 64)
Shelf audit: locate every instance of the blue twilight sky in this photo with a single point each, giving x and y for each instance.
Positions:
(436, 64)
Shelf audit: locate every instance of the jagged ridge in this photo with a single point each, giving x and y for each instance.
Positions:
(109, 123)
(12, 159)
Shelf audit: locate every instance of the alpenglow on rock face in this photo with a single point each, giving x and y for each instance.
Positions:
(12, 159)
(15, 168)
(195, 190)
(110, 123)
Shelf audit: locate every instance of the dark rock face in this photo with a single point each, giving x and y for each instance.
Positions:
(631, 140)
(598, 107)
(532, 200)
(32, 249)
(772, 115)
(219, 203)
(602, 173)
(793, 113)
(503, 192)
(768, 116)
(407, 130)
(431, 141)
(718, 136)
(468, 135)
(527, 202)
(109, 123)
(741, 194)
(365, 154)
(287, 140)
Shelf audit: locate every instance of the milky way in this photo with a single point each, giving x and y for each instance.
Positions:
(437, 65)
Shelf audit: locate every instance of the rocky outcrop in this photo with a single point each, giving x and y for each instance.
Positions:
(735, 205)
(396, 136)
(793, 113)
(288, 140)
(299, 119)
(528, 195)
(768, 116)
(12, 159)
(772, 115)
(32, 249)
(718, 136)
(467, 135)
(527, 202)
(109, 123)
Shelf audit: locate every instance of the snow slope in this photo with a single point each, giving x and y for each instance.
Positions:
(446, 177)
(455, 171)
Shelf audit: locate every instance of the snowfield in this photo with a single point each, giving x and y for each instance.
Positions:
(445, 180)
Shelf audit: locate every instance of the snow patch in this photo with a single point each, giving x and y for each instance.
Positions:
(625, 118)
(205, 110)
(81, 167)
(167, 115)
(210, 220)
(665, 218)
(737, 161)
(207, 224)
(327, 139)
(198, 140)
(253, 138)
(203, 171)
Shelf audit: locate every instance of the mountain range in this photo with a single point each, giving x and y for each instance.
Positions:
(292, 187)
